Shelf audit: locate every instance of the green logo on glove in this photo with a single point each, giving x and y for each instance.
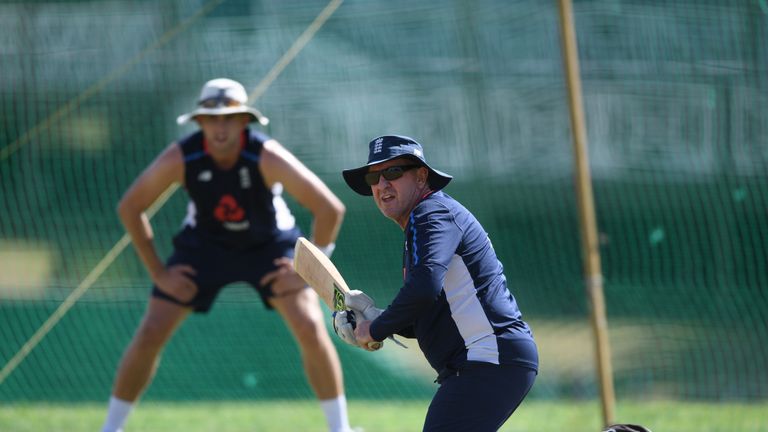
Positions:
(338, 299)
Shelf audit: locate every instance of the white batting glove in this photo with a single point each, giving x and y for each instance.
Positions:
(359, 302)
(344, 326)
(362, 305)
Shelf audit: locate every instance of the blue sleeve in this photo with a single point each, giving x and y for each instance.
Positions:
(432, 237)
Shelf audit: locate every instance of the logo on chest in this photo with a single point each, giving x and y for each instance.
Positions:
(245, 178)
(230, 214)
(243, 175)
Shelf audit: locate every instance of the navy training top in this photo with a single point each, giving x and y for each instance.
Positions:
(455, 300)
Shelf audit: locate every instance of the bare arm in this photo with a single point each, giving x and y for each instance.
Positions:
(279, 165)
(166, 169)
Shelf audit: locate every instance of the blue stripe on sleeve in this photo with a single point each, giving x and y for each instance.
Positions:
(414, 245)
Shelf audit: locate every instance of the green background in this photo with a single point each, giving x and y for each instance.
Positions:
(675, 96)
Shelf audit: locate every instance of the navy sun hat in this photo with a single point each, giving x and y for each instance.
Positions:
(388, 147)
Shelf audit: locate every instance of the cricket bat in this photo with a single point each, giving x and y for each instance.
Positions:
(319, 272)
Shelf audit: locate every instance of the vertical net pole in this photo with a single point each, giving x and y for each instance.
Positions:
(588, 225)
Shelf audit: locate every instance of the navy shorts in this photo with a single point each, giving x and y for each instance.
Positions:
(218, 266)
(479, 398)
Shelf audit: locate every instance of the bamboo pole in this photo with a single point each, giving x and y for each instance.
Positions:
(590, 248)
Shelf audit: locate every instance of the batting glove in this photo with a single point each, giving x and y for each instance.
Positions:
(359, 302)
(344, 326)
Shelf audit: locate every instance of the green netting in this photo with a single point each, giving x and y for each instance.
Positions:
(676, 97)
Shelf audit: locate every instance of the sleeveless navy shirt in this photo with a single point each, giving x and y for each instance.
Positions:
(232, 207)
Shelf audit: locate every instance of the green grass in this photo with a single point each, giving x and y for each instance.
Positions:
(381, 416)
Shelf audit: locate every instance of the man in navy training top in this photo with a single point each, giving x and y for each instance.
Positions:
(454, 299)
(237, 228)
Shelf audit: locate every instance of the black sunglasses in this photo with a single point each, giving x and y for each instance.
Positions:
(219, 101)
(391, 173)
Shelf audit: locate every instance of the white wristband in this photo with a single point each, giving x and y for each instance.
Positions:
(327, 249)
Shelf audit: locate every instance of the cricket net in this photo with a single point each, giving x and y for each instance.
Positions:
(675, 95)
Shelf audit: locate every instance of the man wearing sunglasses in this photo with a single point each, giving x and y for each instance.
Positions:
(237, 229)
(454, 298)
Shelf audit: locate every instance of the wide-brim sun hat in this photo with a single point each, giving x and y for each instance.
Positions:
(386, 148)
(223, 96)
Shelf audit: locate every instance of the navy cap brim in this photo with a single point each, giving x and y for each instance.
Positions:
(355, 177)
